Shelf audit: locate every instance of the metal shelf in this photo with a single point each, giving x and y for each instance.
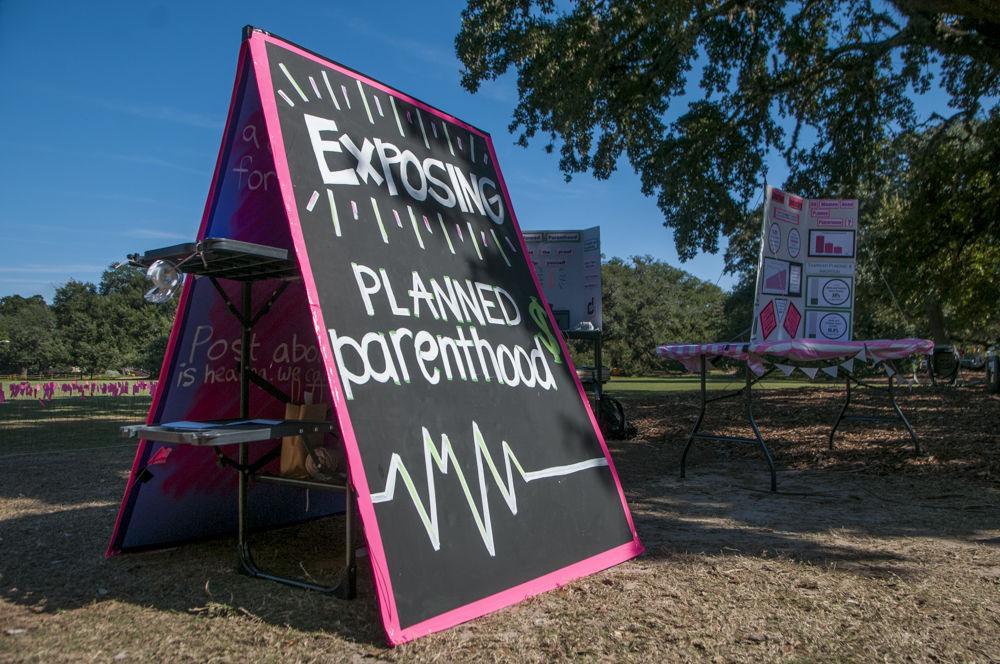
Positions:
(225, 259)
(225, 433)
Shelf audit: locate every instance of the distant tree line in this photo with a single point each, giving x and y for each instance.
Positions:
(647, 302)
(109, 326)
(90, 328)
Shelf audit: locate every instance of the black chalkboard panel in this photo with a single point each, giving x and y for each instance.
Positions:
(481, 476)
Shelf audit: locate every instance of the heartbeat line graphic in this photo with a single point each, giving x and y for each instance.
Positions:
(444, 458)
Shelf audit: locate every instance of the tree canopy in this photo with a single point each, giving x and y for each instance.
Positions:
(26, 344)
(93, 327)
(696, 95)
(647, 302)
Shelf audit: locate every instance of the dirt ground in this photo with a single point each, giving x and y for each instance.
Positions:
(865, 553)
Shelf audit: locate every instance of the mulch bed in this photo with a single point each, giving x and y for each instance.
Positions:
(958, 429)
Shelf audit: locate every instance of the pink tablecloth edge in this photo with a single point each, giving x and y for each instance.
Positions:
(796, 350)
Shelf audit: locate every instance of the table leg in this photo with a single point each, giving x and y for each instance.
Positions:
(697, 425)
(756, 432)
(898, 412)
(843, 410)
(246, 562)
(902, 418)
(348, 587)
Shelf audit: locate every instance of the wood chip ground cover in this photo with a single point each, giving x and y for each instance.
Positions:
(866, 552)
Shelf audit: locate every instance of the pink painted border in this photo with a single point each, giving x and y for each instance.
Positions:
(182, 307)
(395, 634)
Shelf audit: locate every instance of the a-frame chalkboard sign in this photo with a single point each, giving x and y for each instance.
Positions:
(480, 473)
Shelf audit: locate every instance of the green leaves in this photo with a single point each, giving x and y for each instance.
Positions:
(695, 95)
(92, 327)
(647, 302)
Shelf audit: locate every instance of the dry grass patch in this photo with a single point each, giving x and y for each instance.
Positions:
(865, 553)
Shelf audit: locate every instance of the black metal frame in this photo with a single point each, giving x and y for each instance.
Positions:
(748, 397)
(888, 391)
(758, 439)
(245, 263)
(597, 378)
(596, 337)
(346, 586)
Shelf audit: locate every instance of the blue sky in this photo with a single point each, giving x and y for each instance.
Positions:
(113, 113)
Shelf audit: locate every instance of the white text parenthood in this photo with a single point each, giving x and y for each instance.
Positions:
(404, 353)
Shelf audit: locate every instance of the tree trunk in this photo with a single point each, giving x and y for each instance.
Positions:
(935, 320)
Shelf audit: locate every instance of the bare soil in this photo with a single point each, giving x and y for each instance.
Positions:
(866, 552)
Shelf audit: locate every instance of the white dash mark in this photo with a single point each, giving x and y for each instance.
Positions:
(315, 87)
(354, 210)
(329, 89)
(486, 159)
(333, 213)
(448, 138)
(312, 201)
(427, 225)
(497, 242)
(459, 139)
(284, 69)
(423, 133)
(286, 98)
(434, 129)
(472, 147)
(459, 229)
(475, 242)
(510, 244)
(416, 231)
(364, 99)
(378, 216)
(396, 215)
(445, 232)
(392, 102)
(347, 100)
(378, 106)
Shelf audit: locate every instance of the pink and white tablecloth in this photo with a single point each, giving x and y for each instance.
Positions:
(756, 354)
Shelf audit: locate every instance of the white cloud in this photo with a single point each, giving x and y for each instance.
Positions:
(154, 234)
(34, 268)
(156, 161)
(159, 113)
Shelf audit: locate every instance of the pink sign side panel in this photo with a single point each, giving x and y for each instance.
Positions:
(177, 492)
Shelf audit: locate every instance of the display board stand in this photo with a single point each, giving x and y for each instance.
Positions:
(597, 339)
(603, 405)
(246, 263)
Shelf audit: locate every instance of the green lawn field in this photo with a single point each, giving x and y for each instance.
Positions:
(648, 386)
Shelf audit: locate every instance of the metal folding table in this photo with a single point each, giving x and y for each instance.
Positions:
(244, 262)
(758, 355)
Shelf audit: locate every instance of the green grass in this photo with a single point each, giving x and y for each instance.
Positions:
(28, 426)
(69, 422)
(647, 386)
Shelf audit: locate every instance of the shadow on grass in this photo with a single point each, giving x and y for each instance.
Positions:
(59, 512)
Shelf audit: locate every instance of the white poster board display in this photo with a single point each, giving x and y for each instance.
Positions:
(805, 277)
(568, 265)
